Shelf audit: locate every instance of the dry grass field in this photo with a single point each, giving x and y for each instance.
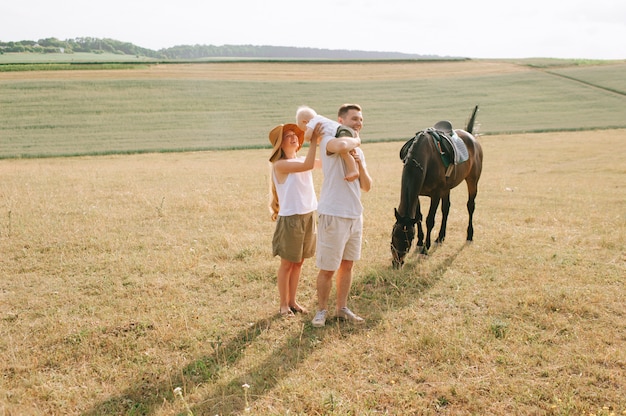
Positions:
(143, 284)
(125, 277)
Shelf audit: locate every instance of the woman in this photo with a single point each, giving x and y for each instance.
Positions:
(293, 208)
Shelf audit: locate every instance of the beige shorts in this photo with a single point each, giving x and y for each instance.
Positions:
(294, 237)
(338, 239)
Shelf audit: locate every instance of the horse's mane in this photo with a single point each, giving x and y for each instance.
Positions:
(406, 146)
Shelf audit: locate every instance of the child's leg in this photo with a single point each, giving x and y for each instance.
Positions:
(352, 170)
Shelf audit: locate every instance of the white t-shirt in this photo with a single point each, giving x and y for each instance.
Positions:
(297, 194)
(338, 196)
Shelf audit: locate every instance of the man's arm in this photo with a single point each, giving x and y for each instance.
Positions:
(342, 144)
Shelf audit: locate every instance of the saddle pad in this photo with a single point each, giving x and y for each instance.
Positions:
(460, 149)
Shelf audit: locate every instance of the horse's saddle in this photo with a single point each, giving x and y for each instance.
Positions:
(452, 148)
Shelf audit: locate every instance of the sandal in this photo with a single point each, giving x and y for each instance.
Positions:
(287, 314)
(299, 309)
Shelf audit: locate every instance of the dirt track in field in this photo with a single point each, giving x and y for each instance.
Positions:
(285, 71)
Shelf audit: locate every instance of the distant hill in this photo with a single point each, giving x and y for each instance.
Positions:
(187, 52)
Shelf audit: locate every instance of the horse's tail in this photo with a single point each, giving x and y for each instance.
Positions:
(470, 123)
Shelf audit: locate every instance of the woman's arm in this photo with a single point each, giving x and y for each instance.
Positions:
(293, 165)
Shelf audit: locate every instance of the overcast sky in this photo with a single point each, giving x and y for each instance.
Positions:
(593, 29)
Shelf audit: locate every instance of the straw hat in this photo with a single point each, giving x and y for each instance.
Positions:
(276, 139)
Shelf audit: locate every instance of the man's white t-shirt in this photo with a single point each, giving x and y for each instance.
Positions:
(338, 196)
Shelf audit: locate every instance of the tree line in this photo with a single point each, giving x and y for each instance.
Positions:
(98, 45)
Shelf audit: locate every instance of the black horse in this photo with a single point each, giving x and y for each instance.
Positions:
(425, 173)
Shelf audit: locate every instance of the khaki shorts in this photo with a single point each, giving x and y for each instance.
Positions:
(295, 237)
(338, 239)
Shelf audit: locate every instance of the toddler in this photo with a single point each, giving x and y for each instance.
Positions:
(307, 119)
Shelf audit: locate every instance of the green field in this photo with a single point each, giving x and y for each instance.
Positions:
(77, 115)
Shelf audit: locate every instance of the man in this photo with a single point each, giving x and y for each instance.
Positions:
(340, 222)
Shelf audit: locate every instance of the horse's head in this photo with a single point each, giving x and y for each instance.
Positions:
(401, 238)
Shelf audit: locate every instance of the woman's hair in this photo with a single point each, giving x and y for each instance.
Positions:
(274, 205)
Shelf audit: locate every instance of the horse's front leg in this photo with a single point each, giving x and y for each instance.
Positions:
(445, 210)
(420, 234)
(430, 220)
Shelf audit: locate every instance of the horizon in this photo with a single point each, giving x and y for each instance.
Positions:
(236, 45)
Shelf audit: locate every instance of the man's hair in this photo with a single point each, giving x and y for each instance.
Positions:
(343, 110)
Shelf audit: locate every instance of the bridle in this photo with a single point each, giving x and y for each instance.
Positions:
(405, 223)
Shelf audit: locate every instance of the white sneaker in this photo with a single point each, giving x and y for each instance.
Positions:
(320, 319)
(347, 315)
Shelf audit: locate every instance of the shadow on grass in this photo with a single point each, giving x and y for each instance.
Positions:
(379, 291)
(385, 289)
(145, 395)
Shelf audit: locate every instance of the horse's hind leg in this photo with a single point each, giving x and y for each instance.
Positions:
(472, 188)
(445, 210)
